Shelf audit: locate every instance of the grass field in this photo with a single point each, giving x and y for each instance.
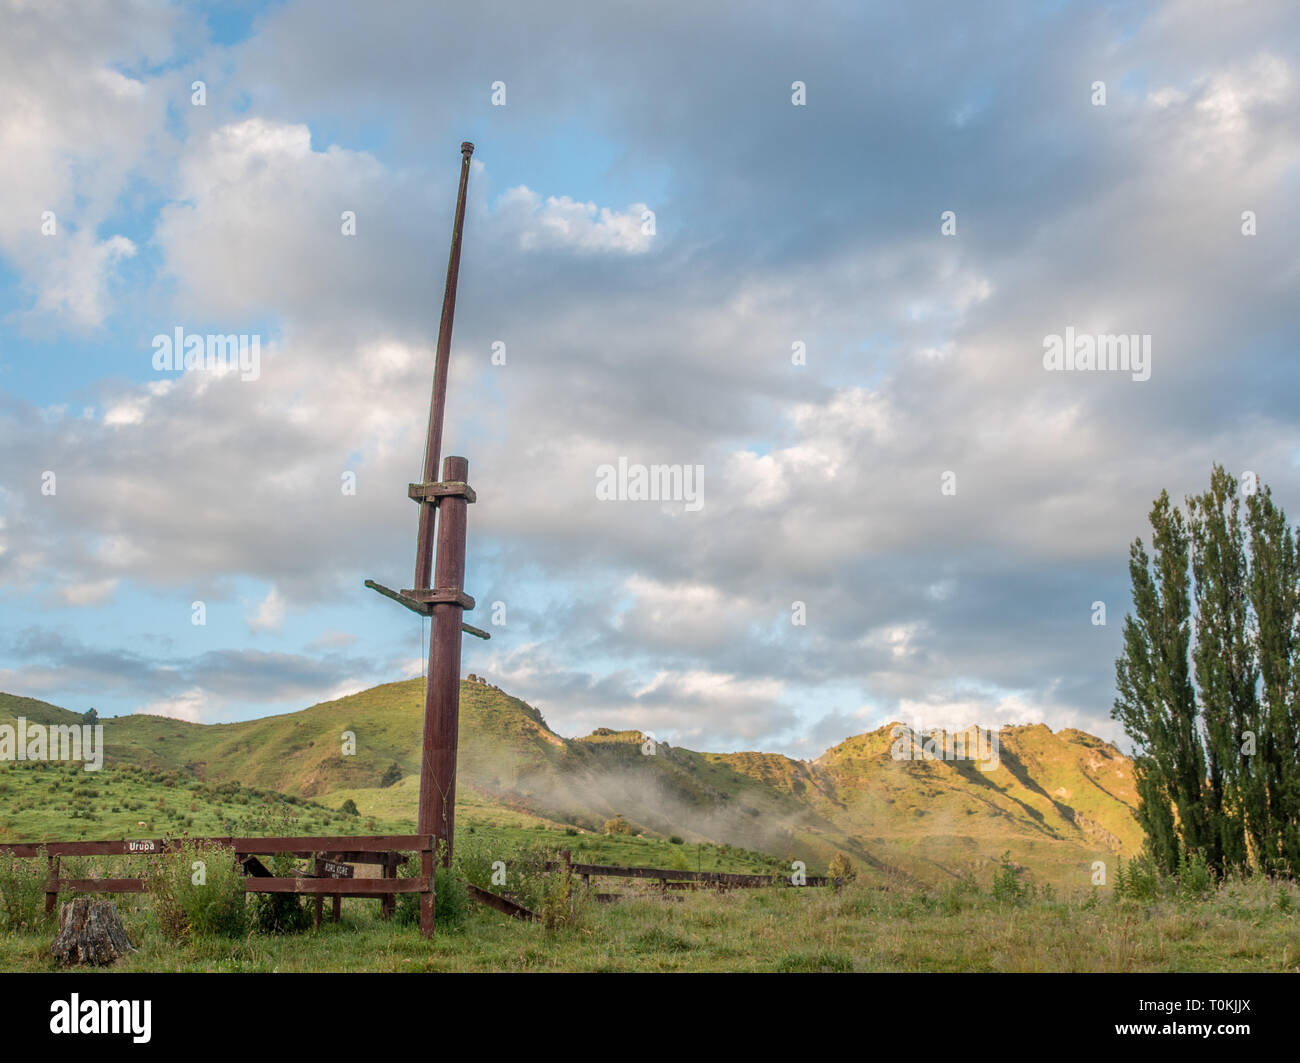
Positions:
(1238, 927)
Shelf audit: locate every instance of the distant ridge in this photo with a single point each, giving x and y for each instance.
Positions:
(1056, 803)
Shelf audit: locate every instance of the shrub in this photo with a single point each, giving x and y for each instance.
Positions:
(206, 900)
(350, 808)
(1195, 877)
(617, 825)
(562, 903)
(1139, 880)
(841, 867)
(450, 894)
(22, 891)
(1007, 886)
(281, 913)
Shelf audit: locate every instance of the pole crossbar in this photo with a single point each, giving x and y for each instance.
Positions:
(423, 608)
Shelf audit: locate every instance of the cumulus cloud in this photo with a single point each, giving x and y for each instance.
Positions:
(74, 129)
(560, 223)
(816, 226)
(269, 614)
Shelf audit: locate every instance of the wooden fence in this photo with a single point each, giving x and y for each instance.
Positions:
(332, 874)
(671, 879)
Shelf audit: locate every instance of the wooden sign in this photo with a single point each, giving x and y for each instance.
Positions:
(333, 869)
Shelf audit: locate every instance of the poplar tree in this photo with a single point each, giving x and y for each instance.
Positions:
(1218, 600)
(1155, 702)
(1224, 662)
(1273, 812)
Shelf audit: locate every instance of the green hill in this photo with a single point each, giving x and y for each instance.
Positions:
(1056, 802)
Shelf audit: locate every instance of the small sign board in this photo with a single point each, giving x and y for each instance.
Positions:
(333, 869)
(144, 845)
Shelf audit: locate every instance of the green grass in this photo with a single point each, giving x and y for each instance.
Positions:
(41, 802)
(1239, 927)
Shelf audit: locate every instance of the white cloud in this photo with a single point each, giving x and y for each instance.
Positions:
(269, 615)
(561, 223)
(193, 705)
(72, 131)
(94, 593)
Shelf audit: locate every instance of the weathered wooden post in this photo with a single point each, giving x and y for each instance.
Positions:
(444, 597)
(52, 884)
(442, 694)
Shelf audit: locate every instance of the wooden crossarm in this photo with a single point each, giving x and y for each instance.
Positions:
(437, 595)
(424, 608)
(425, 492)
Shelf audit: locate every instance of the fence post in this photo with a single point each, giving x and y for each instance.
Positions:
(318, 908)
(52, 885)
(388, 903)
(427, 898)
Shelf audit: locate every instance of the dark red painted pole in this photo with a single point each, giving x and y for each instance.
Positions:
(442, 692)
(437, 812)
(433, 441)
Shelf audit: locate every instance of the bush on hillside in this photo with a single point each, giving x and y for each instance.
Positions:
(841, 867)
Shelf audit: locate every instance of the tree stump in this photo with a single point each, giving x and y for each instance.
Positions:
(90, 933)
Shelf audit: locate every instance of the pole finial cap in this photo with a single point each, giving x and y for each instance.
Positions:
(466, 148)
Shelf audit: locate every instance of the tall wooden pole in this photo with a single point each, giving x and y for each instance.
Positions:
(442, 693)
(433, 441)
(447, 599)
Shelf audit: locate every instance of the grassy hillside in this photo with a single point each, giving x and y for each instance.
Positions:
(1056, 803)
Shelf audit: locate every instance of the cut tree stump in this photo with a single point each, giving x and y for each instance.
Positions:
(90, 933)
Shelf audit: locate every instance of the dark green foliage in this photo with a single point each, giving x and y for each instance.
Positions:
(197, 892)
(281, 913)
(1139, 880)
(22, 892)
(450, 894)
(1217, 765)
(1008, 887)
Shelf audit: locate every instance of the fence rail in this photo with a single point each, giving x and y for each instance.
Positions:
(295, 844)
(382, 849)
(670, 878)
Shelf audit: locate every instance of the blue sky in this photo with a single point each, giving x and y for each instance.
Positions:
(774, 224)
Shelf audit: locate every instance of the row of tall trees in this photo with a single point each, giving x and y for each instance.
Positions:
(1209, 680)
